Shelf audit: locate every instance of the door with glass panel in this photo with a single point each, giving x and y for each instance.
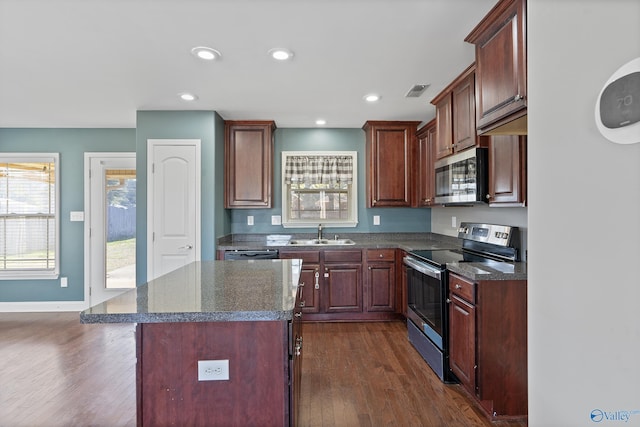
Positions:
(111, 221)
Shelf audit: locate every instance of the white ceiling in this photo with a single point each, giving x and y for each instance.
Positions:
(94, 63)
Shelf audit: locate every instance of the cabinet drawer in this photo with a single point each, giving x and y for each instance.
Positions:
(342, 256)
(381, 255)
(462, 288)
(312, 257)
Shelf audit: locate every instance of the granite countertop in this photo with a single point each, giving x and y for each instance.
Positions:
(208, 291)
(497, 271)
(405, 241)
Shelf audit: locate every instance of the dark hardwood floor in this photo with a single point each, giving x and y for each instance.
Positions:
(58, 372)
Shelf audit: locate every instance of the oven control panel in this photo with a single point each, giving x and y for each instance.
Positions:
(487, 233)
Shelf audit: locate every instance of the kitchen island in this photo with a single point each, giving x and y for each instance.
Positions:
(218, 343)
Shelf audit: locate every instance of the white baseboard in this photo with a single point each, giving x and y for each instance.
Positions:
(38, 306)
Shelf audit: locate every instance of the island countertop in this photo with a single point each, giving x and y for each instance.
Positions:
(208, 291)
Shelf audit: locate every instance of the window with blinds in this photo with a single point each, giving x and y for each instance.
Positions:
(319, 188)
(29, 215)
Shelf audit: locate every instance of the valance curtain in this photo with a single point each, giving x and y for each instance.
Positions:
(319, 170)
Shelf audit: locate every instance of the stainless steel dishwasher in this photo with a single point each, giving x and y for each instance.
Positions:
(246, 254)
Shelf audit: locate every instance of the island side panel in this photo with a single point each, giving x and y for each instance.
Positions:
(169, 392)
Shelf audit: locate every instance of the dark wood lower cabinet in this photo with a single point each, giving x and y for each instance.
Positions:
(349, 284)
(343, 288)
(488, 343)
(462, 342)
(381, 284)
(261, 388)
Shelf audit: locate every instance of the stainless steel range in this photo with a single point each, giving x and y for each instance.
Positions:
(427, 310)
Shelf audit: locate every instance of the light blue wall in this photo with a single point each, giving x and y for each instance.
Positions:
(207, 126)
(71, 144)
(287, 139)
(202, 125)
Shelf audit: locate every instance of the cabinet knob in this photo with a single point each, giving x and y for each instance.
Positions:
(369, 267)
(488, 196)
(458, 286)
(301, 285)
(381, 256)
(298, 314)
(448, 301)
(374, 201)
(518, 97)
(302, 303)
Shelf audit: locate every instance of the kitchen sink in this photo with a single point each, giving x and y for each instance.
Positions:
(320, 242)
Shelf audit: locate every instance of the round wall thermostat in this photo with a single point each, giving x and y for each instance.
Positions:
(618, 106)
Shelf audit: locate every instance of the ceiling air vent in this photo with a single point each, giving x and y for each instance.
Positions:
(416, 91)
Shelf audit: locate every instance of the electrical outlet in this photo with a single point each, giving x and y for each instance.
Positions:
(376, 220)
(249, 219)
(276, 220)
(213, 370)
(63, 282)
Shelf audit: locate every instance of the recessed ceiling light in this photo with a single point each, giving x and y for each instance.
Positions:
(206, 53)
(185, 96)
(281, 54)
(321, 122)
(372, 97)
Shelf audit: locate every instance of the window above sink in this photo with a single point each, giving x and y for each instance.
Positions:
(319, 187)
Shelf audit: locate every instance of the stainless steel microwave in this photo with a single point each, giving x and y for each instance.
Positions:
(462, 178)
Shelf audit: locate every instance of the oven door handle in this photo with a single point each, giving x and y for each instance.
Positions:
(422, 267)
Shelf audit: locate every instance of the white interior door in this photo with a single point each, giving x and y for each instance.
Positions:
(173, 204)
(110, 233)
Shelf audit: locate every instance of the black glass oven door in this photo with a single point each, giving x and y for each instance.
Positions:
(425, 298)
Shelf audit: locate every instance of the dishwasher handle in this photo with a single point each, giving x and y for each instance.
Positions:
(250, 254)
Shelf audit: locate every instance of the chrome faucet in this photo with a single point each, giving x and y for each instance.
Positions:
(319, 231)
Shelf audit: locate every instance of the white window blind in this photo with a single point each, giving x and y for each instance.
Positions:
(28, 215)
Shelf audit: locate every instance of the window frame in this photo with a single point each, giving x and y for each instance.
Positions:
(351, 221)
(44, 274)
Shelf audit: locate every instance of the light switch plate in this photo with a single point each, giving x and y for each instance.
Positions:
(249, 219)
(376, 220)
(76, 216)
(276, 220)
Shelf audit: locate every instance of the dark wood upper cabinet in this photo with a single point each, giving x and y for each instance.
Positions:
(464, 113)
(425, 154)
(444, 126)
(456, 115)
(507, 170)
(390, 147)
(248, 163)
(501, 69)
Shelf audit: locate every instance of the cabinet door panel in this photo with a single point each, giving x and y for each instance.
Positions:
(343, 288)
(380, 287)
(508, 173)
(310, 295)
(248, 164)
(390, 158)
(425, 187)
(501, 62)
(462, 341)
(444, 127)
(464, 110)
